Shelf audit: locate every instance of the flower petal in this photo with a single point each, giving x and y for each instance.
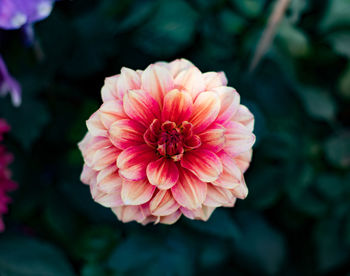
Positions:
(162, 173)
(245, 117)
(111, 111)
(217, 196)
(205, 164)
(241, 190)
(157, 81)
(189, 191)
(88, 175)
(89, 146)
(172, 218)
(140, 106)
(213, 138)
(136, 192)
(108, 179)
(214, 79)
(109, 89)
(105, 157)
(238, 139)
(177, 107)
(243, 160)
(126, 133)
(111, 199)
(205, 110)
(231, 175)
(95, 126)
(132, 162)
(163, 203)
(229, 99)
(190, 80)
(179, 65)
(128, 80)
(202, 213)
(129, 213)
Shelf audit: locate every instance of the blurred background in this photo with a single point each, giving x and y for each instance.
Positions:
(296, 218)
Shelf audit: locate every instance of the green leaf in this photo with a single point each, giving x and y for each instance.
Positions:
(218, 221)
(250, 8)
(337, 14)
(169, 30)
(231, 22)
(344, 83)
(22, 256)
(330, 185)
(318, 103)
(340, 42)
(337, 150)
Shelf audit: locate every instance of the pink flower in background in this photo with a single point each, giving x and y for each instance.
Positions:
(6, 184)
(167, 141)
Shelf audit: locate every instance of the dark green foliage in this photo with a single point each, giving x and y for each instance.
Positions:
(296, 218)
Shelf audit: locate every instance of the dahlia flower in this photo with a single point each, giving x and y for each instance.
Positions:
(6, 184)
(167, 141)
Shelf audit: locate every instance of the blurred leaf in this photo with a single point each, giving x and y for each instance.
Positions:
(344, 83)
(330, 185)
(93, 269)
(231, 22)
(297, 8)
(260, 245)
(292, 40)
(337, 14)
(250, 8)
(337, 150)
(22, 256)
(213, 254)
(340, 42)
(318, 103)
(169, 30)
(220, 224)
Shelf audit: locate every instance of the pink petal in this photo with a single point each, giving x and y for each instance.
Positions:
(172, 218)
(126, 133)
(245, 117)
(189, 191)
(141, 107)
(109, 89)
(111, 111)
(105, 157)
(88, 175)
(129, 213)
(217, 196)
(214, 79)
(136, 192)
(128, 79)
(205, 164)
(202, 213)
(132, 162)
(241, 190)
(108, 179)
(229, 99)
(239, 139)
(177, 107)
(243, 160)
(190, 80)
(205, 110)
(231, 175)
(162, 173)
(157, 81)
(177, 66)
(95, 126)
(163, 203)
(213, 138)
(111, 199)
(90, 145)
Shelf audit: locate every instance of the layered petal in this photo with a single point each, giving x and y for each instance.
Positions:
(189, 191)
(162, 173)
(108, 179)
(157, 81)
(104, 157)
(202, 213)
(214, 79)
(241, 190)
(109, 89)
(203, 163)
(95, 126)
(177, 66)
(163, 203)
(245, 117)
(129, 213)
(229, 99)
(231, 175)
(128, 80)
(239, 139)
(137, 192)
(125, 133)
(132, 162)
(110, 112)
(140, 106)
(217, 196)
(213, 138)
(172, 218)
(205, 110)
(177, 107)
(88, 175)
(243, 160)
(190, 80)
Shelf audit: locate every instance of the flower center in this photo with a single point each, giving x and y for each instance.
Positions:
(171, 140)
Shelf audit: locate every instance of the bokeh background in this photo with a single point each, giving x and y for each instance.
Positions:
(296, 218)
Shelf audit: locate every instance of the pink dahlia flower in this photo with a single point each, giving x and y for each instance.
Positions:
(167, 141)
(6, 184)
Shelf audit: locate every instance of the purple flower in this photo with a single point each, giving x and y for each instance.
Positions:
(9, 84)
(17, 13)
